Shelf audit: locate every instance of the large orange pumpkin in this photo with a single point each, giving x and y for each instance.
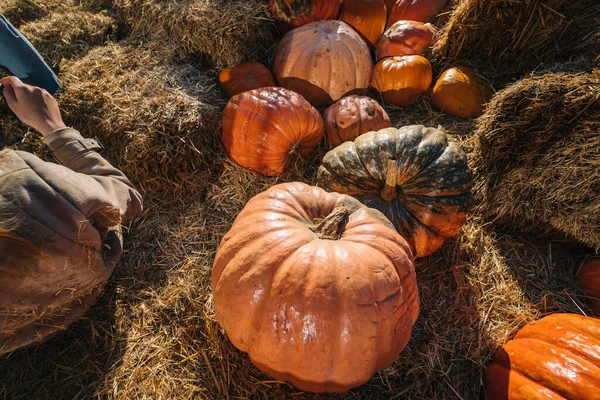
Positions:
(267, 129)
(352, 116)
(460, 92)
(418, 179)
(415, 10)
(317, 288)
(588, 278)
(367, 17)
(400, 79)
(290, 14)
(556, 357)
(246, 76)
(405, 38)
(323, 61)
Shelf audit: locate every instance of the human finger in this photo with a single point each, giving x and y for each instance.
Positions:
(9, 93)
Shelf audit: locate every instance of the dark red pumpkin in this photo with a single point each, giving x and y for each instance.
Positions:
(415, 10)
(290, 14)
(405, 38)
(244, 77)
(588, 278)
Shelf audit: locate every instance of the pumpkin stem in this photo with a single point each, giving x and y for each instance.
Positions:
(332, 226)
(389, 190)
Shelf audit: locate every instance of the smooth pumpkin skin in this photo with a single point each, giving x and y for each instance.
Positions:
(415, 10)
(324, 314)
(433, 181)
(556, 357)
(367, 17)
(352, 116)
(405, 38)
(267, 129)
(290, 14)
(400, 79)
(588, 279)
(246, 76)
(323, 61)
(460, 92)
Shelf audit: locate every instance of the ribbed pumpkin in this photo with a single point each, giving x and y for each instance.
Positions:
(246, 76)
(290, 14)
(400, 79)
(352, 116)
(405, 38)
(588, 278)
(415, 10)
(367, 17)
(267, 129)
(419, 180)
(556, 357)
(323, 61)
(460, 92)
(317, 288)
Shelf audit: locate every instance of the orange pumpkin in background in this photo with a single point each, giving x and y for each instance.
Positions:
(415, 10)
(323, 61)
(405, 38)
(246, 76)
(588, 279)
(267, 129)
(367, 17)
(317, 288)
(460, 92)
(352, 116)
(400, 79)
(556, 357)
(290, 14)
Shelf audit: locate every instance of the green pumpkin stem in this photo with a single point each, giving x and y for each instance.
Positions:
(332, 226)
(389, 190)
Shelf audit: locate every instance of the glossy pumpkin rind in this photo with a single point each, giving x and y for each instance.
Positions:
(290, 14)
(588, 279)
(243, 77)
(303, 307)
(433, 181)
(415, 10)
(557, 356)
(323, 61)
(367, 17)
(267, 129)
(401, 79)
(405, 38)
(352, 116)
(460, 92)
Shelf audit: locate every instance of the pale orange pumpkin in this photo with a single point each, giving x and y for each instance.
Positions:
(460, 92)
(323, 61)
(588, 278)
(317, 288)
(415, 10)
(367, 17)
(405, 38)
(267, 129)
(400, 79)
(246, 76)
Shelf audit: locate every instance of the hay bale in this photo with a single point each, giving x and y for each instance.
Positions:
(513, 37)
(157, 118)
(21, 11)
(217, 33)
(538, 162)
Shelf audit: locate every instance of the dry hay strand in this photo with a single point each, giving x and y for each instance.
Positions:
(21, 11)
(217, 33)
(513, 37)
(538, 159)
(157, 118)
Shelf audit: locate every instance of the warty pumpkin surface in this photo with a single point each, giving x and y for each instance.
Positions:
(556, 357)
(246, 76)
(402, 78)
(323, 61)
(417, 178)
(405, 38)
(352, 116)
(290, 14)
(415, 10)
(367, 17)
(267, 129)
(460, 92)
(588, 279)
(317, 288)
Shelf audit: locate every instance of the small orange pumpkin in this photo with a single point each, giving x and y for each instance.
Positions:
(405, 38)
(415, 10)
(246, 76)
(267, 129)
(290, 14)
(588, 278)
(400, 79)
(460, 92)
(367, 17)
(352, 116)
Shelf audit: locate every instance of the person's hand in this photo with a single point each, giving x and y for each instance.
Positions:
(32, 105)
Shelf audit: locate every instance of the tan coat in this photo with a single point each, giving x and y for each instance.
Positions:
(72, 212)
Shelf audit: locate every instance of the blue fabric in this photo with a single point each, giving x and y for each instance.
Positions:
(19, 58)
